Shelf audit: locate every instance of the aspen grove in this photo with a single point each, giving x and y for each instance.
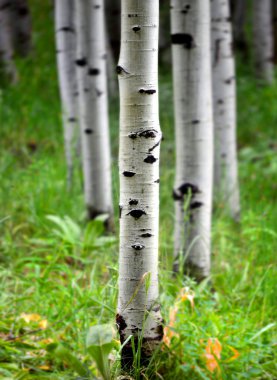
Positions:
(138, 191)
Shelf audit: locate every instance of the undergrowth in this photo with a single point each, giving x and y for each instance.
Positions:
(58, 276)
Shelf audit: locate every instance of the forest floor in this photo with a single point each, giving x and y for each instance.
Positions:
(58, 276)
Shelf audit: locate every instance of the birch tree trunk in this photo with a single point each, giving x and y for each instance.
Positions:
(190, 28)
(274, 23)
(6, 40)
(140, 136)
(224, 101)
(93, 108)
(263, 40)
(66, 46)
(22, 27)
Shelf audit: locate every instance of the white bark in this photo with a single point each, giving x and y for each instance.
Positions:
(93, 108)
(263, 40)
(6, 40)
(190, 28)
(66, 46)
(224, 100)
(140, 136)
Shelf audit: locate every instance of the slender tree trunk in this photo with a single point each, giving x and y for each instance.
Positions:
(190, 28)
(6, 40)
(111, 71)
(224, 100)
(100, 194)
(66, 46)
(274, 19)
(93, 109)
(22, 27)
(263, 40)
(140, 136)
(113, 9)
(239, 17)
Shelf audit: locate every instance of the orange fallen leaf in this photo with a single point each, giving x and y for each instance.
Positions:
(213, 354)
(168, 332)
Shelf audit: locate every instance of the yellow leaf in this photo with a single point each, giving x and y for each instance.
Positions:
(187, 295)
(234, 357)
(30, 317)
(45, 367)
(43, 324)
(47, 341)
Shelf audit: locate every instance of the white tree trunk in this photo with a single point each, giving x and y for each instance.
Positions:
(190, 28)
(263, 40)
(66, 47)
(93, 108)
(140, 136)
(224, 100)
(6, 40)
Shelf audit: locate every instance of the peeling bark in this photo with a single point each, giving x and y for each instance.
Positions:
(224, 99)
(138, 314)
(190, 29)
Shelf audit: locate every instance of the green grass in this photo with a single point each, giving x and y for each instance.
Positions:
(66, 271)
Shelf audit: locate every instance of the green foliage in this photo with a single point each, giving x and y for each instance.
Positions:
(54, 264)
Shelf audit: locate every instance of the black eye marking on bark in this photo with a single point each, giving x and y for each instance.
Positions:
(229, 80)
(93, 71)
(23, 11)
(133, 202)
(72, 119)
(81, 62)
(186, 10)
(86, 89)
(88, 131)
(184, 189)
(121, 70)
(195, 205)
(147, 235)
(120, 322)
(132, 15)
(187, 188)
(155, 146)
(148, 133)
(96, 6)
(98, 92)
(183, 39)
(148, 92)
(195, 121)
(66, 29)
(137, 213)
(157, 181)
(120, 210)
(137, 246)
(128, 174)
(150, 159)
(220, 101)
(76, 93)
(136, 28)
